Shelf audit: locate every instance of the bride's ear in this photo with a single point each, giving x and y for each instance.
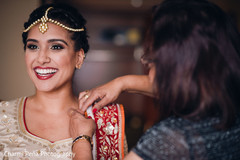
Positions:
(79, 58)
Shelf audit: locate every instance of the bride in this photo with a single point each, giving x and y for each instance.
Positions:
(37, 126)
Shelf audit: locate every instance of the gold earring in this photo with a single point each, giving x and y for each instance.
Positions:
(78, 66)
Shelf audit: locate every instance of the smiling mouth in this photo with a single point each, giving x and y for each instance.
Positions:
(45, 73)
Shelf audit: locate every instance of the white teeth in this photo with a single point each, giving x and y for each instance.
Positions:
(45, 71)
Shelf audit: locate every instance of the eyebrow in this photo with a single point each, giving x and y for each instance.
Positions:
(54, 40)
(31, 40)
(49, 41)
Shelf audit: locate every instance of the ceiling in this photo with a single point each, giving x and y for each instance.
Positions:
(130, 6)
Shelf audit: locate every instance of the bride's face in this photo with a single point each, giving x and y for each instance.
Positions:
(50, 58)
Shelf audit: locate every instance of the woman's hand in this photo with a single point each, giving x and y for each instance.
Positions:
(100, 96)
(79, 125)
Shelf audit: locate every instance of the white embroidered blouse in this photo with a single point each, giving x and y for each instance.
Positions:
(16, 142)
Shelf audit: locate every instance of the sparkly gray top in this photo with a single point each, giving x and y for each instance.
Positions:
(181, 139)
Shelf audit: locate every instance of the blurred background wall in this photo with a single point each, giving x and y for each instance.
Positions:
(116, 29)
(14, 81)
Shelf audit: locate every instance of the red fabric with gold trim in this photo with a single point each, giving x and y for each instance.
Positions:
(110, 132)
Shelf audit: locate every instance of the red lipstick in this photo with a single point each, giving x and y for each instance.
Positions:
(44, 73)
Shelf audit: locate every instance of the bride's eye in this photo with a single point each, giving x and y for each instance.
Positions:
(32, 47)
(57, 47)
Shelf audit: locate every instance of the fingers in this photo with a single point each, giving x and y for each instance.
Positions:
(79, 124)
(83, 96)
(75, 113)
(101, 103)
(86, 99)
(98, 97)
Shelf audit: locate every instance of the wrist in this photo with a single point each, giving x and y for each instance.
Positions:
(82, 138)
(120, 83)
(127, 82)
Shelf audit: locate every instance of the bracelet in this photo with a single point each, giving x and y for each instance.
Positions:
(83, 137)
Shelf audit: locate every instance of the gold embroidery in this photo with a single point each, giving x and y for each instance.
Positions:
(4, 103)
(13, 139)
(5, 120)
(107, 123)
(51, 146)
(109, 129)
(100, 123)
(1, 147)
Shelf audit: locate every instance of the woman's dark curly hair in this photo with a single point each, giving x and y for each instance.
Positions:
(195, 47)
(66, 15)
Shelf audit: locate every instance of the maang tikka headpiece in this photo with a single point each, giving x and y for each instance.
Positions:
(43, 26)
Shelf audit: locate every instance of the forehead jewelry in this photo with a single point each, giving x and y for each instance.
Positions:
(43, 26)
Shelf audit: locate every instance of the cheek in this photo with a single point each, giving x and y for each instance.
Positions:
(65, 61)
(28, 59)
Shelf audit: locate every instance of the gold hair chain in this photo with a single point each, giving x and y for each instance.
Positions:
(43, 26)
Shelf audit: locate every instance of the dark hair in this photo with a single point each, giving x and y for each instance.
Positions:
(195, 48)
(65, 14)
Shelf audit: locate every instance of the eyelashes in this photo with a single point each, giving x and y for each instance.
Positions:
(32, 47)
(55, 47)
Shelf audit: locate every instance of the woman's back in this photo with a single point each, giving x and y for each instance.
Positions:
(177, 138)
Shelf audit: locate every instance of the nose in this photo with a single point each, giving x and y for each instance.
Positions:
(43, 57)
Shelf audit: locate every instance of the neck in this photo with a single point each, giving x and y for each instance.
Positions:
(54, 102)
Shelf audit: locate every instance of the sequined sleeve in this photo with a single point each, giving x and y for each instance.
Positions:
(177, 138)
(162, 143)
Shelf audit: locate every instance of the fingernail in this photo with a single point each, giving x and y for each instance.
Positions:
(85, 114)
(94, 110)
